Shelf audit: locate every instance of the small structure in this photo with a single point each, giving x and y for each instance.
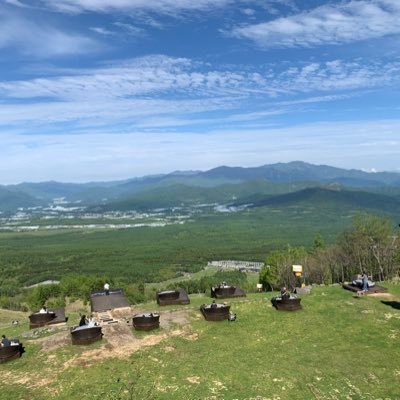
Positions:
(356, 286)
(146, 321)
(283, 303)
(101, 301)
(167, 297)
(358, 282)
(224, 291)
(8, 353)
(53, 316)
(215, 311)
(85, 334)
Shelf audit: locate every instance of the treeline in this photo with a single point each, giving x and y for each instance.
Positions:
(370, 245)
(80, 286)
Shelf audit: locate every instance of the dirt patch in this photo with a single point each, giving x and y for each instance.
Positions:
(53, 342)
(195, 380)
(385, 295)
(123, 313)
(122, 342)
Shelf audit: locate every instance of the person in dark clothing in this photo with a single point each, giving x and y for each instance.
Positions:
(284, 293)
(5, 342)
(83, 321)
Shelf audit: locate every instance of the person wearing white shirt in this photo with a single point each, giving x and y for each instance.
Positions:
(107, 288)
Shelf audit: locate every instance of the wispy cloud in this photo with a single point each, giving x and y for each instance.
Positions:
(160, 74)
(345, 22)
(160, 6)
(102, 31)
(16, 3)
(39, 39)
(138, 91)
(130, 29)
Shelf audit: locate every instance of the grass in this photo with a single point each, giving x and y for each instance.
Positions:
(337, 347)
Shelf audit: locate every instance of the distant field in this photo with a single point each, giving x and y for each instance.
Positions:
(337, 347)
(153, 254)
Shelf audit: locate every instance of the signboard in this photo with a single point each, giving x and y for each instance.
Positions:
(297, 268)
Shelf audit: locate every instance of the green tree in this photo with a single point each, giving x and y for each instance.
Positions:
(370, 245)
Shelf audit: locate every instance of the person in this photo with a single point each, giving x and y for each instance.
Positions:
(92, 322)
(364, 280)
(5, 342)
(284, 293)
(232, 317)
(107, 288)
(43, 310)
(214, 304)
(83, 321)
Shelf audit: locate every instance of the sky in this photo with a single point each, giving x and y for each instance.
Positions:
(94, 90)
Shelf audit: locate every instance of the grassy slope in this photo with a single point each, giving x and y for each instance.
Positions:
(337, 347)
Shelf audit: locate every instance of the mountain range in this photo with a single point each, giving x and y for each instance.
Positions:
(260, 186)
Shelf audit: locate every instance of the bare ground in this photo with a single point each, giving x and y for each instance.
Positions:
(120, 342)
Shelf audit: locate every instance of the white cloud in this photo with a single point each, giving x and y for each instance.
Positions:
(40, 39)
(102, 31)
(159, 75)
(131, 29)
(345, 22)
(16, 3)
(160, 6)
(141, 91)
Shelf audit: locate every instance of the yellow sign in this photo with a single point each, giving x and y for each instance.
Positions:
(297, 268)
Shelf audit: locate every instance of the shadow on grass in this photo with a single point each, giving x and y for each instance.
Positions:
(394, 304)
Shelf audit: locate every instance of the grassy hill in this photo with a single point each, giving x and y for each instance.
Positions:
(180, 194)
(336, 198)
(337, 347)
(10, 201)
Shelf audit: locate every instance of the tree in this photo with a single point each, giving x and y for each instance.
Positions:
(370, 245)
(280, 270)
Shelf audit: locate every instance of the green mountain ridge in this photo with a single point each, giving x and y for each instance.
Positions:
(222, 184)
(325, 197)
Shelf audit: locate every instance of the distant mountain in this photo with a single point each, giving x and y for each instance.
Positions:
(220, 184)
(343, 198)
(298, 171)
(10, 201)
(183, 195)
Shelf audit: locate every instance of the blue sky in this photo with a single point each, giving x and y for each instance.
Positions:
(111, 89)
